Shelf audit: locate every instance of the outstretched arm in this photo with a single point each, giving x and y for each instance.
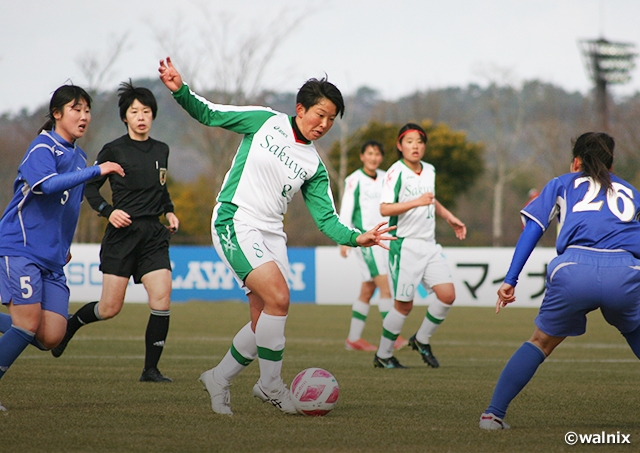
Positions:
(375, 235)
(170, 75)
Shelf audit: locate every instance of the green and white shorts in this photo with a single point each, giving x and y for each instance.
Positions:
(372, 262)
(414, 261)
(243, 247)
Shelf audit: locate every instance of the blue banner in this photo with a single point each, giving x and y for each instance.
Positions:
(199, 274)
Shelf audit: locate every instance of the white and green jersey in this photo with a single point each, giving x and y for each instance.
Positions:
(360, 207)
(269, 167)
(403, 184)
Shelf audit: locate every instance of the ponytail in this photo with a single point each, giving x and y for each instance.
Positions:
(595, 149)
(61, 97)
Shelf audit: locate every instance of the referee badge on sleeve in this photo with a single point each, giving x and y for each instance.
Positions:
(163, 176)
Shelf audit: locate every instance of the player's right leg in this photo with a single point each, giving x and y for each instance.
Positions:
(359, 313)
(405, 268)
(391, 327)
(258, 259)
(268, 283)
(385, 303)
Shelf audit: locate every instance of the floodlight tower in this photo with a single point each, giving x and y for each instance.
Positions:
(607, 63)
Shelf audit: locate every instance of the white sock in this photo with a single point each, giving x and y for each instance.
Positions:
(436, 313)
(359, 313)
(242, 352)
(270, 342)
(384, 306)
(391, 327)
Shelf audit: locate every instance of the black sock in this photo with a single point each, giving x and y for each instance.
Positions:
(87, 314)
(155, 336)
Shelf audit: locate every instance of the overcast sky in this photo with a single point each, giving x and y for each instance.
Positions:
(393, 46)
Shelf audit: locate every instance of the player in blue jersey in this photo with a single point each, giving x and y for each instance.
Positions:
(598, 263)
(135, 242)
(38, 225)
(275, 159)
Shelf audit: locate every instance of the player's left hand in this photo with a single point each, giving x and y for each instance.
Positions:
(174, 223)
(458, 227)
(506, 295)
(375, 235)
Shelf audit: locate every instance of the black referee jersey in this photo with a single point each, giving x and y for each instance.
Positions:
(143, 191)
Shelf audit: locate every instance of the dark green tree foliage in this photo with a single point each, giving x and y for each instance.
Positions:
(458, 161)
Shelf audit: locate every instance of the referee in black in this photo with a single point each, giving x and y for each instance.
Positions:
(135, 242)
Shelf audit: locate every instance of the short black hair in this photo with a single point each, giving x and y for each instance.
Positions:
(374, 144)
(127, 93)
(314, 90)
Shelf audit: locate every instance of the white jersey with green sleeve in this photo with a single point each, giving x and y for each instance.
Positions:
(403, 184)
(360, 207)
(269, 167)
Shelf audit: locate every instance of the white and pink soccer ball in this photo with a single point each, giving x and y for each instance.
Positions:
(315, 392)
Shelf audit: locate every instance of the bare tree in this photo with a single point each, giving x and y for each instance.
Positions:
(96, 68)
(506, 113)
(228, 59)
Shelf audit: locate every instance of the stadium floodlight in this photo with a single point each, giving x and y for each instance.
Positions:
(607, 63)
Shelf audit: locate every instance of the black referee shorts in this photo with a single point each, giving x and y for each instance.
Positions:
(136, 250)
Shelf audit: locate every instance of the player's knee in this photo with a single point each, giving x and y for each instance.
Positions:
(108, 311)
(279, 302)
(49, 341)
(447, 298)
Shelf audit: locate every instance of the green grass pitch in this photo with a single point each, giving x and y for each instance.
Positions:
(90, 400)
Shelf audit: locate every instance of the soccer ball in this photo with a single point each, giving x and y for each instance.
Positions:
(314, 392)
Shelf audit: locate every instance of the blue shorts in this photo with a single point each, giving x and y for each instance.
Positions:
(25, 282)
(582, 280)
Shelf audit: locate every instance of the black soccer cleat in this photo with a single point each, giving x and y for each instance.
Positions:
(58, 350)
(153, 375)
(425, 352)
(391, 362)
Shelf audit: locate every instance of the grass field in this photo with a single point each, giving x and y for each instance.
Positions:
(90, 400)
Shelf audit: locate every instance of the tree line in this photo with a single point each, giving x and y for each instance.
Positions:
(490, 145)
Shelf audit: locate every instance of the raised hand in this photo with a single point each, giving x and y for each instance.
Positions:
(170, 75)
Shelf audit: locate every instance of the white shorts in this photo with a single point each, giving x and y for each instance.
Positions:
(243, 247)
(372, 262)
(414, 261)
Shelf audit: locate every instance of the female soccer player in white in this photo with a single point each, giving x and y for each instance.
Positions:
(598, 264)
(275, 159)
(360, 208)
(38, 225)
(408, 198)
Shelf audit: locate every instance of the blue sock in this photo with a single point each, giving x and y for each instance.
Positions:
(5, 322)
(633, 338)
(5, 325)
(517, 373)
(12, 343)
